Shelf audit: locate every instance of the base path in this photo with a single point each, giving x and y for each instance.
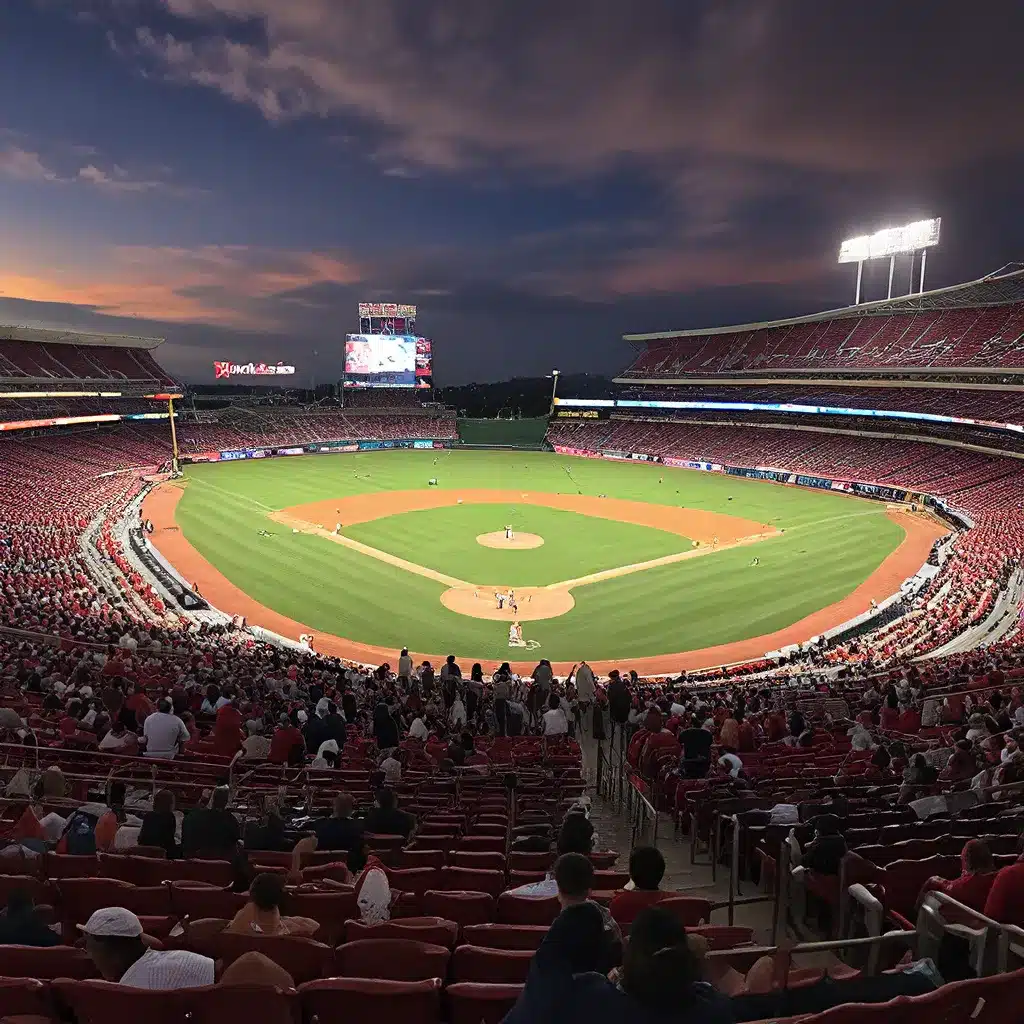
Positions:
(912, 552)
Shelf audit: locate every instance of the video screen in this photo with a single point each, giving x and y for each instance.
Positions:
(387, 361)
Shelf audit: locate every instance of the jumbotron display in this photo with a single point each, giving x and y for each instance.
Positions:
(387, 361)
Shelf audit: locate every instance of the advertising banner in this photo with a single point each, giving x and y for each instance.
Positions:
(583, 453)
(291, 451)
(707, 467)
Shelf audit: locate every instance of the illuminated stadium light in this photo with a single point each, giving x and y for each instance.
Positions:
(892, 242)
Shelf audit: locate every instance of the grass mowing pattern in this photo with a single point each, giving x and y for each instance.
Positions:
(832, 544)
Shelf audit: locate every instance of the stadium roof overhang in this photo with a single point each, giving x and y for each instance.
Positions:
(995, 289)
(59, 336)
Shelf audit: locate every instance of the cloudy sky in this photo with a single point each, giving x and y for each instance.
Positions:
(540, 176)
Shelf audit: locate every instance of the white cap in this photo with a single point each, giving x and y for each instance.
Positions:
(113, 922)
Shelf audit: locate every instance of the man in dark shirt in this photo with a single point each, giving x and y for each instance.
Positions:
(386, 819)
(340, 831)
(21, 925)
(696, 752)
(825, 852)
(212, 829)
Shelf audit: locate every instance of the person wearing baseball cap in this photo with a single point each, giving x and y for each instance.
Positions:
(114, 941)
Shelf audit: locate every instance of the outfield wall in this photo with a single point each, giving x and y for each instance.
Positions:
(312, 448)
(522, 433)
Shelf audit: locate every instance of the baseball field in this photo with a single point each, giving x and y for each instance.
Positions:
(628, 564)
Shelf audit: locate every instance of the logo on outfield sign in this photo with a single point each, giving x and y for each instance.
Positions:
(223, 369)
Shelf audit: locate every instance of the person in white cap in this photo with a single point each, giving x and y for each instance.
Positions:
(113, 939)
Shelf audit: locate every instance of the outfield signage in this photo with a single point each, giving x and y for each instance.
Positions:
(324, 447)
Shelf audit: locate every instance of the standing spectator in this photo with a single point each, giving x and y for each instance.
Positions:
(585, 694)
(501, 689)
(405, 666)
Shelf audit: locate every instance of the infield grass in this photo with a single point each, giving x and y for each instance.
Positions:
(831, 544)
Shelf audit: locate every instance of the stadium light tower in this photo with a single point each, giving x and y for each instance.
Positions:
(554, 389)
(891, 242)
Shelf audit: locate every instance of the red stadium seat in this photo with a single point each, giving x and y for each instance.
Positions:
(540, 910)
(456, 879)
(392, 959)
(462, 907)
(371, 1001)
(474, 1003)
(46, 963)
(434, 930)
(495, 966)
(505, 936)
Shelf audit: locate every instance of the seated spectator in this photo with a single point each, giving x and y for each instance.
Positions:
(210, 830)
(262, 914)
(165, 734)
(22, 925)
(340, 831)
(386, 819)
(326, 755)
(160, 825)
(976, 877)
(269, 832)
(1005, 902)
(827, 849)
(287, 745)
(118, 739)
(554, 720)
(646, 870)
(660, 980)
(113, 939)
(256, 746)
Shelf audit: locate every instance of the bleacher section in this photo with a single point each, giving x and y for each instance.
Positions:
(57, 360)
(978, 326)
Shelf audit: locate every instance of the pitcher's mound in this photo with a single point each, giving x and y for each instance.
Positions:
(517, 542)
(532, 602)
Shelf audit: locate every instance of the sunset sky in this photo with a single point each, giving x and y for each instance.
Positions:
(539, 176)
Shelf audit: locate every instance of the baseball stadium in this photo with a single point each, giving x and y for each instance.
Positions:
(767, 587)
(748, 494)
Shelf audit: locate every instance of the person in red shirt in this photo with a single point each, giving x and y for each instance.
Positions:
(976, 877)
(646, 870)
(1005, 902)
(909, 721)
(775, 726)
(285, 739)
(227, 730)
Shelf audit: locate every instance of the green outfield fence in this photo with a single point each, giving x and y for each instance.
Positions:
(524, 433)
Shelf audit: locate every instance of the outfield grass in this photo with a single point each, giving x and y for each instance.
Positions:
(831, 544)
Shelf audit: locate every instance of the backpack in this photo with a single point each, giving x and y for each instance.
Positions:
(79, 835)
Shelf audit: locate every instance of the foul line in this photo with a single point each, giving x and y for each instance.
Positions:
(450, 581)
(627, 570)
(364, 549)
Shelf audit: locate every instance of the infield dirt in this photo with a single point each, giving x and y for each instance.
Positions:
(921, 531)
